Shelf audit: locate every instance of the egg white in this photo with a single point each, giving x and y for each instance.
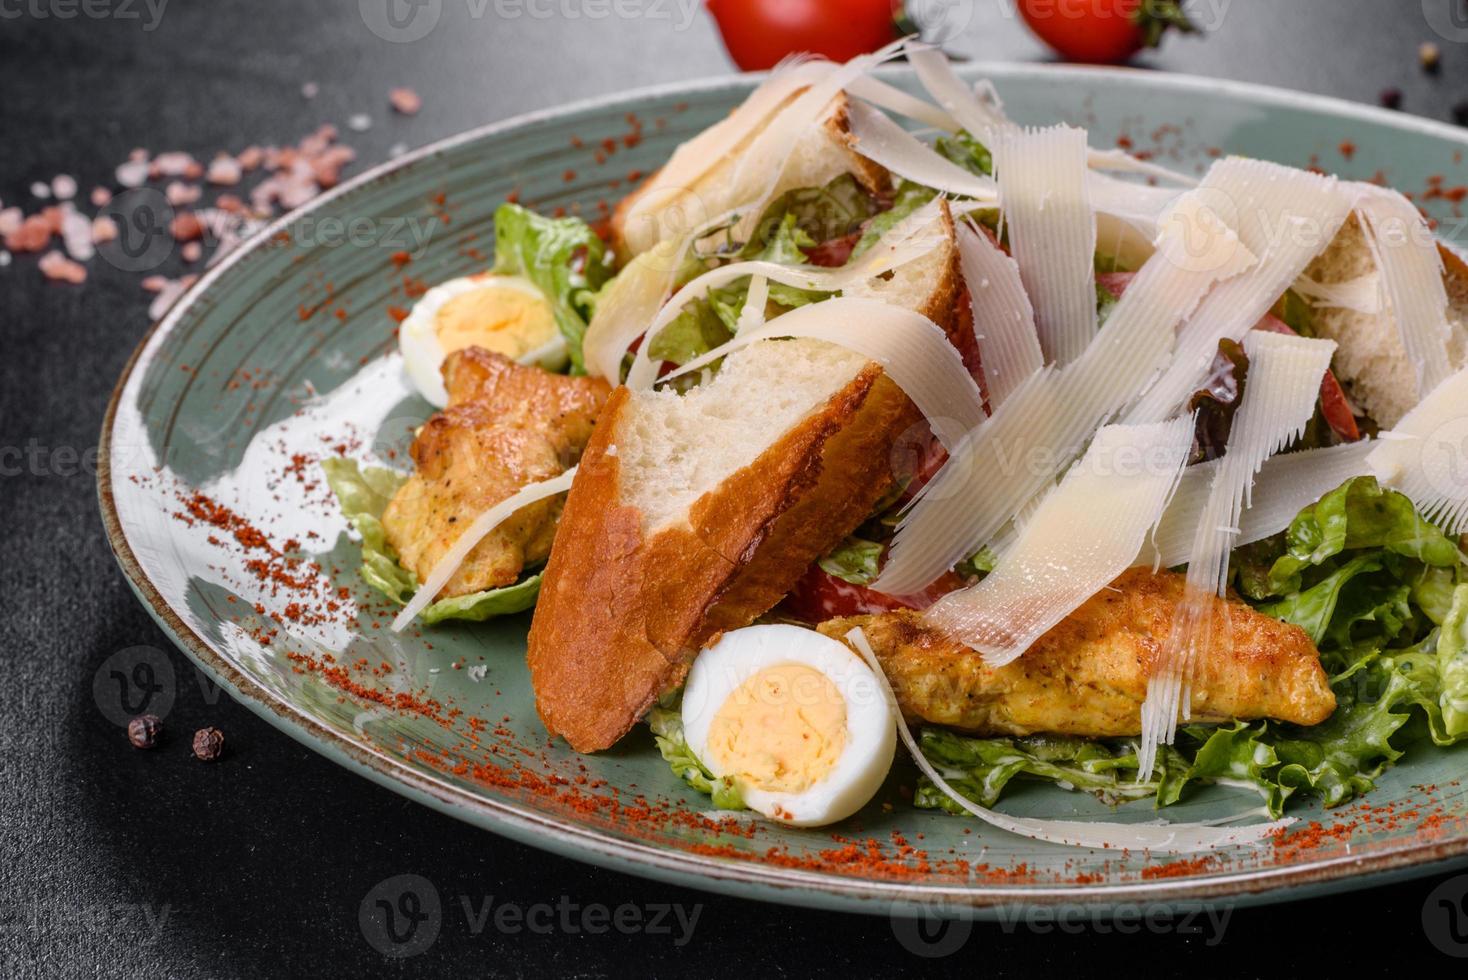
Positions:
(423, 353)
(871, 726)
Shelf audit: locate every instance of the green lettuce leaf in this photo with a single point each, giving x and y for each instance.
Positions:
(563, 257)
(967, 152)
(854, 561)
(809, 215)
(908, 199)
(363, 495)
(1359, 514)
(1382, 593)
(1452, 664)
(666, 723)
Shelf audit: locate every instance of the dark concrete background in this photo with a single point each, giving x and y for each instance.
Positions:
(120, 863)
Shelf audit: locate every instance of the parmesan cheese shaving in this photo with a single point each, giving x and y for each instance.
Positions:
(1085, 533)
(471, 536)
(1411, 270)
(1426, 455)
(693, 160)
(893, 99)
(1043, 425)
(629, 304)
(1004, 321)
(913, 350)
(1182, 838)
(758, 171)
(882, 141)
(982, 119)
(1286, 217)
(752, 315)
(1286, 485)
(1052, 232)
(1362, 294)
(908, 240)
(1279, 399)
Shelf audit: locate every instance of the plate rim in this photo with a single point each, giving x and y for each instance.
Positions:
(736, 877)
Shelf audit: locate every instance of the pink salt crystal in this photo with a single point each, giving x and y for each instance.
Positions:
(224, 171)
(155, 284)
(250, 158)
(64, 187)
(133, 173)
(33, 235)
(179, 194)
(10, 220)
(104, 229)
(405, 100)
(192, 252)
(58, 268)
(173, 164)
(310, 90)
(76, 234)
(101, 197)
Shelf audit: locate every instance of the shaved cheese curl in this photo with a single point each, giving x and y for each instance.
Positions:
(1085, 533)
(1052, 232)
(1426, 455)
(1045, 423)
(1411, 270)
(913, 350)
(1162, 838)
(882, 141)
(693, 159)
(1004, 321)
(980, 118)
(630, 303)
(910, 239)
(1284, 216)
(1362, 294)
(1279, 400)
(471, 536)
(1285, 486)
(893, 99)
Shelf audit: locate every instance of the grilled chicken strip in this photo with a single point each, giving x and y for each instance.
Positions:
(506, 425)
(1088, 675)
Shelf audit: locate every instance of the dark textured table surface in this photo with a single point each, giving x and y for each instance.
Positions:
(118, 862)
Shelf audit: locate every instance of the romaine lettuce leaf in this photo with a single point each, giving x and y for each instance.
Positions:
(363, 495)
(1379, 589)
(666, 723)
(563, 257)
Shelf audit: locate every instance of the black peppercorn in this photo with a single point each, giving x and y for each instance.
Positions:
(144, 731)
(208, 744)
(1391, 98)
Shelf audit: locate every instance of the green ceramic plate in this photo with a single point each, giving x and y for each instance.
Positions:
(282, 355)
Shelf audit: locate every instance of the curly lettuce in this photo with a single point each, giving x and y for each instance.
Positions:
(563, 257)
(1384, 595)
(364, 494)
(666, 723)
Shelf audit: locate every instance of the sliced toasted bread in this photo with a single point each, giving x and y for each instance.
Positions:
(658, 209)
(693, 514)
(1370, 359)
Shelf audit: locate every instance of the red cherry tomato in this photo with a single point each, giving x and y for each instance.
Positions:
(820, 596)
(759, 33)
(1101, 31)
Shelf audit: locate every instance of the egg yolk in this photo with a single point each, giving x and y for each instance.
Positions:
(782, 730)
(501, 319)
